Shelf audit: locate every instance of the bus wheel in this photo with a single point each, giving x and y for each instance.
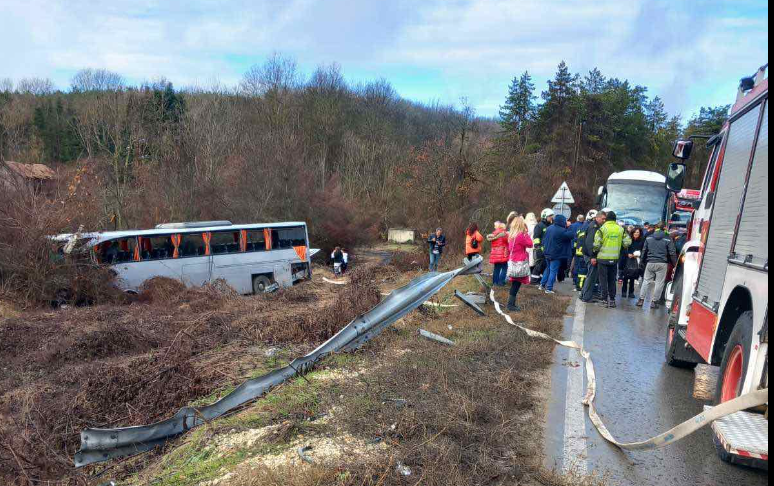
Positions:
(675, 348)
(260, 284)
(736, 359)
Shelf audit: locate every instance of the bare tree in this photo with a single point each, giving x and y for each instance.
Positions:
(6, 85)
(278, 73)
(35, 86)
(96, 80)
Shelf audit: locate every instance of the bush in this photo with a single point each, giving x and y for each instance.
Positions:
(32, 272)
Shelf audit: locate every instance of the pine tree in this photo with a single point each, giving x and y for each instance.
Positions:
(519, 106)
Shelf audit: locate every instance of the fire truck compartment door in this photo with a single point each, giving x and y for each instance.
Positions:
(727, 206)
(752, 243)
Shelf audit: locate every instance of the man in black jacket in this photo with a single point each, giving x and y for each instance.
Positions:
(658, 253)
(546, 220)
(590, 257)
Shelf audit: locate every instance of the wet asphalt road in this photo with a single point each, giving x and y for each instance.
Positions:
(638, 397)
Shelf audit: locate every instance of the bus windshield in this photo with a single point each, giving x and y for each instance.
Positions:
(637, 203)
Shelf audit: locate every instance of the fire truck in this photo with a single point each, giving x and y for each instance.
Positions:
(680, 209)
(720, 310)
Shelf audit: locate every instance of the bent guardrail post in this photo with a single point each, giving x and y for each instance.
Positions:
(99, 445)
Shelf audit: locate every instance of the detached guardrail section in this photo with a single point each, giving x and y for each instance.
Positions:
(99, 445)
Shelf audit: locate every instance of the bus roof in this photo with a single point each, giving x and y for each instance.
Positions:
(100, 236)
(637, 175)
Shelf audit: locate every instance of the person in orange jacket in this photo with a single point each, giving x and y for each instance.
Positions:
(473, 241)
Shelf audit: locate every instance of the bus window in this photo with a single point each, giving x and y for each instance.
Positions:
(255, 240)
(224, 242)
(288, 237)
(156, 247)
(120, 250)
(191, 245)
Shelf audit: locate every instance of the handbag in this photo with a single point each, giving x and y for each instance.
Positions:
(632, 269)
(518, 269)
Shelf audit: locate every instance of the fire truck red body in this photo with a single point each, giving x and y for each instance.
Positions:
(719, 314)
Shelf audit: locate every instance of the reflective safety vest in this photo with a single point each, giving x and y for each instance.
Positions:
(580, 238)
(609, 240)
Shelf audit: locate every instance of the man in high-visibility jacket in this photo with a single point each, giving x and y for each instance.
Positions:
(607, 245)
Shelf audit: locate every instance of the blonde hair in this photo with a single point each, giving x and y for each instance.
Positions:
(518, 226)
(499, 225)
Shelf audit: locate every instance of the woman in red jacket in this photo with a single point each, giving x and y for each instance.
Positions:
(499, 254)
(519, 242)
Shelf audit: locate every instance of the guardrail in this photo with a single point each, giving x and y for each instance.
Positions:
(99, 445)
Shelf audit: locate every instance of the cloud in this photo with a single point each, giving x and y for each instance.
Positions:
(691, 53)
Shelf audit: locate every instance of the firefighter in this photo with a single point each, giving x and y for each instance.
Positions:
(589, 288)
(546, 220)
(580, 269)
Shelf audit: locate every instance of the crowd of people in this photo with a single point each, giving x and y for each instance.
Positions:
(596, 250)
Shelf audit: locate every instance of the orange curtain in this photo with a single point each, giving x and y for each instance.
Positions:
(137, 248)
(301, 252)
(207, 237)
(267, 237)
(243, 240)
(176, 239)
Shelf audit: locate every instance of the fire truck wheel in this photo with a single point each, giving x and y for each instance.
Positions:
(675, 344)
(736, 359)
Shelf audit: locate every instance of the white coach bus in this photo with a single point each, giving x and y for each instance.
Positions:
(249, 257)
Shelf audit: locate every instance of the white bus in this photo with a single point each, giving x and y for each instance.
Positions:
(636, 196)
(249, 257)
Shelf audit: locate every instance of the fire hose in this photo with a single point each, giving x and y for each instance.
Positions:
(681, 431)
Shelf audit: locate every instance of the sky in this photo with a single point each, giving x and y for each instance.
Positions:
(691, 53)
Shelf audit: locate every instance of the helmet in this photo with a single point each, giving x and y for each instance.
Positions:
(591, 214)
(547, 213)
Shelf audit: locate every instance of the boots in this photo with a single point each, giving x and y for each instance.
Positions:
(611, 304)
(640, 302)
(512, 307)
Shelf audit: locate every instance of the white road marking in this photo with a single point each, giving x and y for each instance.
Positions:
(575, 447)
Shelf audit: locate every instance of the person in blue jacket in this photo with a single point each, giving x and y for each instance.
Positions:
(556, 242)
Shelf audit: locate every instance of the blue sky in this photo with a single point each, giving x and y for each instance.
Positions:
(691, 53)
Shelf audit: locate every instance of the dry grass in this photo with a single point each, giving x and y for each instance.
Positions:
(464, 415)
(118, 365)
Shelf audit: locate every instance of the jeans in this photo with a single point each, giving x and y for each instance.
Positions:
(654, 273)
(550, 273)
(592, 275)
(500, 274)
(434, 257)
(608, 273)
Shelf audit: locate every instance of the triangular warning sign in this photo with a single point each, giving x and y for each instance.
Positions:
(563, 195)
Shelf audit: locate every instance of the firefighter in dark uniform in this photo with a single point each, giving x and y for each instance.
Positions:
(546, 220)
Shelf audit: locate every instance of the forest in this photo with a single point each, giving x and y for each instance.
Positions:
(350, 159)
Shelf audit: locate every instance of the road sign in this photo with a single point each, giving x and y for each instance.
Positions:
(562, 209)
(563, 195)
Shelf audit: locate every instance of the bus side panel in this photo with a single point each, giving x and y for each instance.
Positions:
(701, 329)
(234, 269)
(131, 275)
